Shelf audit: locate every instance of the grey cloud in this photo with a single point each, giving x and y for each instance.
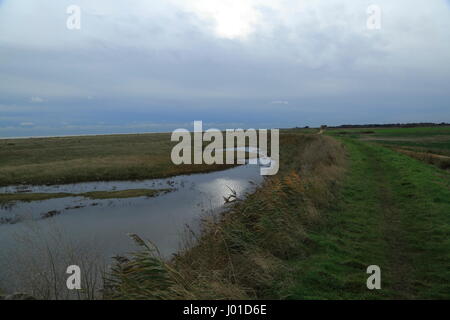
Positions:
(172, 61)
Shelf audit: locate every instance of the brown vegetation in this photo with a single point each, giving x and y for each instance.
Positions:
(240, 256)
(91, 158)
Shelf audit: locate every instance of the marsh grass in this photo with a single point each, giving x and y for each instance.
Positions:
(305, 234)
(62, 160)
(241, 254)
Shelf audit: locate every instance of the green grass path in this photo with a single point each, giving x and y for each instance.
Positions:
(394, 212)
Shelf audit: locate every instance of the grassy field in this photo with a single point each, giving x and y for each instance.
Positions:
(311, 231)
(394, 212)
(428, 144)
(90, 158)
(341, 201)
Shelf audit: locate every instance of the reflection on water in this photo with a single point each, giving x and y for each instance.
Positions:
(104, 224)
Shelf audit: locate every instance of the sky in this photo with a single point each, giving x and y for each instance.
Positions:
(148, 66)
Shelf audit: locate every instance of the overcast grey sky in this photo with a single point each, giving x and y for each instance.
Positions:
(141, 65)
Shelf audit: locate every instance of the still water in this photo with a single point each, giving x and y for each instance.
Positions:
(103, 225)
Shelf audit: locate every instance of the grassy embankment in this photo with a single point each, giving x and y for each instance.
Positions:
(393, 212)
(246, 253)
(304, 236)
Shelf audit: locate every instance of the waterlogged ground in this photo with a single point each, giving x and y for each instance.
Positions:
(103, 225)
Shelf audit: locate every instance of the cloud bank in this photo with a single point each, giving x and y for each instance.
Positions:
(155, 65)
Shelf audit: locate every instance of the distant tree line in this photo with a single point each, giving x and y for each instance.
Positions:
(391, 125)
